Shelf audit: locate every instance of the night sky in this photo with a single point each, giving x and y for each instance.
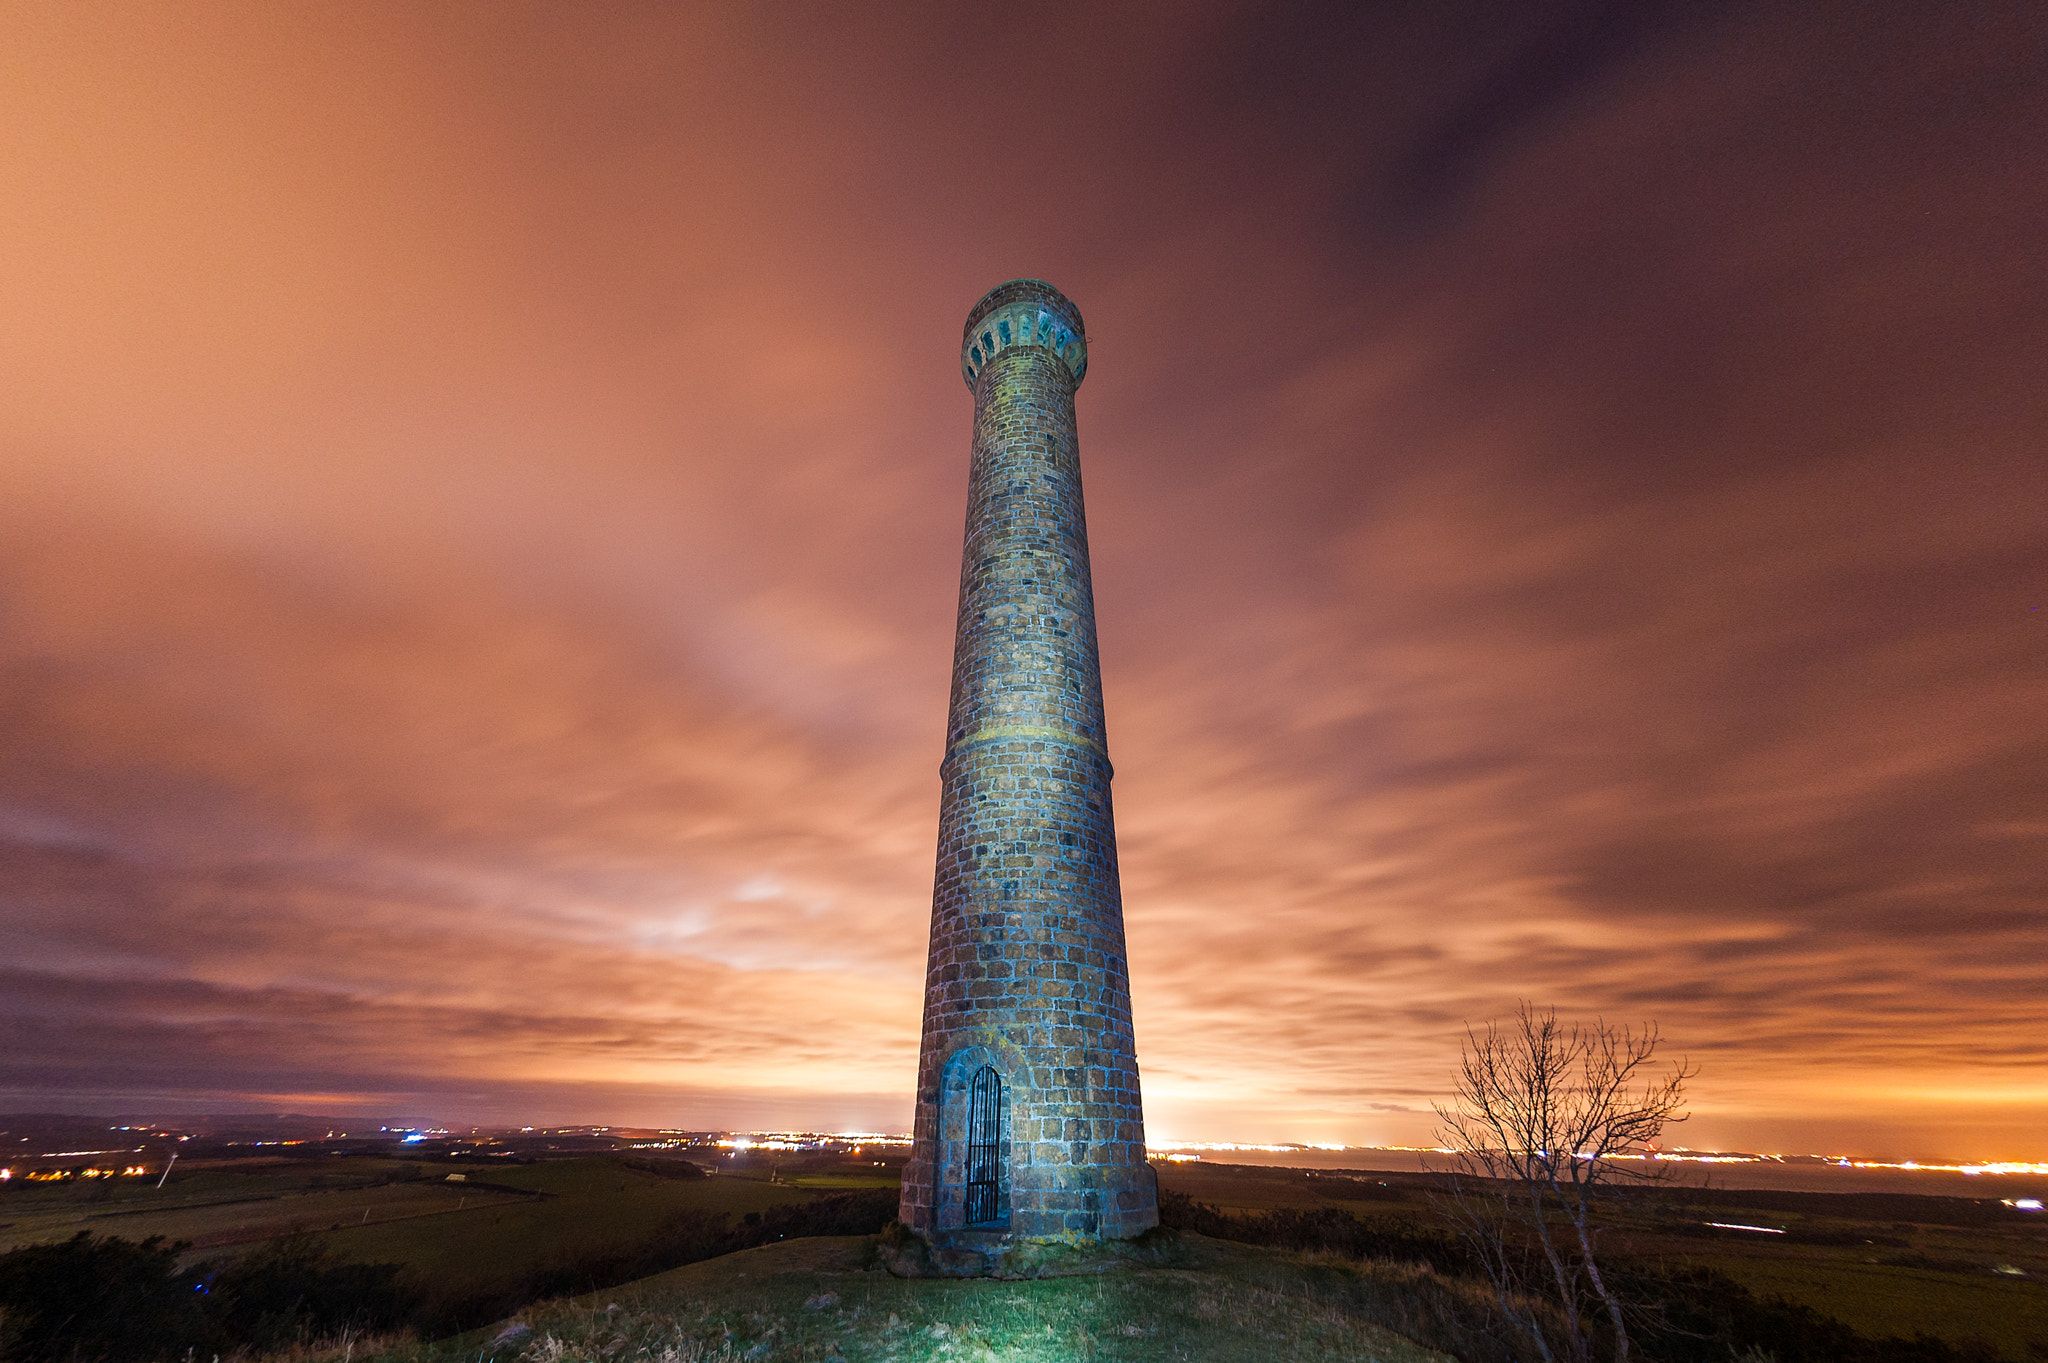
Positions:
(480, 503)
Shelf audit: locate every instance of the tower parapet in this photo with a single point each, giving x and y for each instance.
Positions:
(1029, 1123)
(1023, 312)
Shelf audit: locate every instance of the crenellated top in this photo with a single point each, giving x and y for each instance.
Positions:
(1023, 312)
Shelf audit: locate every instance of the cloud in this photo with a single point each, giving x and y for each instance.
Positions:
(481, 508)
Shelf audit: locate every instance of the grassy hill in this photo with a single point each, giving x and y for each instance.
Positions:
(817, 1299)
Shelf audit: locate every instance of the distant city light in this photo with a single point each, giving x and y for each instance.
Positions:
(1970, 1170)
(857, 1144)
(1181, 1152)
(68, 1154)
(1239, 1145)
(2025, 1204)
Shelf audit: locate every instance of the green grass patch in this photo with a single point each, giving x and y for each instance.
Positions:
(813, 1299)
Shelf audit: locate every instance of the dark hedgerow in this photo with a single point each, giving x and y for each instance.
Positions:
(89, 1299)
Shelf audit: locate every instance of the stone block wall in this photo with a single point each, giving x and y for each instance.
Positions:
(1027, 968)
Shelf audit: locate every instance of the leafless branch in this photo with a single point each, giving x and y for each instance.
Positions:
(1544, 1115)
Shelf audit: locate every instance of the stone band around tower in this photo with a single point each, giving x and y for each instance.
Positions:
(1026, 312)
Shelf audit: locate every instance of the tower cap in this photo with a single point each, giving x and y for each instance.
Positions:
(1027, 312)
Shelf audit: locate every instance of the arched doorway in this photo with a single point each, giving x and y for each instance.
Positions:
(984, 1163)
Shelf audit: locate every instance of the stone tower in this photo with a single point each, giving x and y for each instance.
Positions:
(1028, 1120)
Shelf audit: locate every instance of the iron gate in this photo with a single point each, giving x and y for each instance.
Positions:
(984, 1137)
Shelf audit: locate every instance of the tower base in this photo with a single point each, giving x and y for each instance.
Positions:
(995, 1254)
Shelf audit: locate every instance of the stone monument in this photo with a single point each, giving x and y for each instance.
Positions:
(1029, 1126)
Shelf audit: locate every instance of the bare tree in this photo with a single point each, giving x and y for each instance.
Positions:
(1545, 1115)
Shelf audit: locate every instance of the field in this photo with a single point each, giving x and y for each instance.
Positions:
(241, 1202)
(1884, 1300)
(471, 1249)
(1256, 1188)
(813, 1299)
(586, 1208)
(1884, 1265)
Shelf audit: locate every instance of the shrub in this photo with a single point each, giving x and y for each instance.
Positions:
(88, 1299)
(292, 1290)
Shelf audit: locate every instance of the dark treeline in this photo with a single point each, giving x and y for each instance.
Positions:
(102, 1299)
(1685, 1315)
